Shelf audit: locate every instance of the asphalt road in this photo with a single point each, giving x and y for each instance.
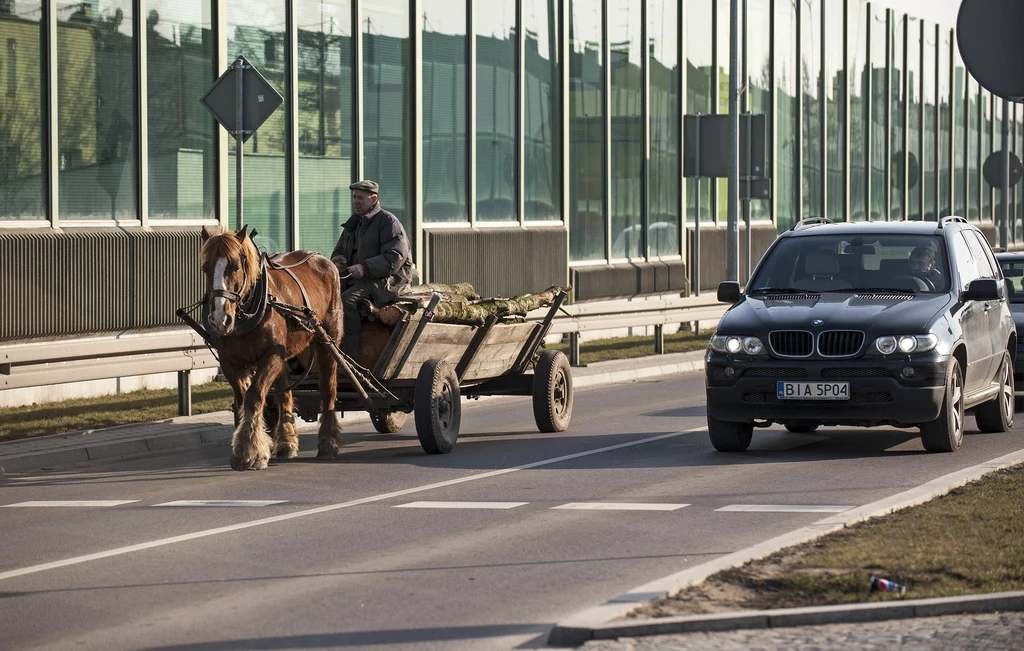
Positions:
(390, 547)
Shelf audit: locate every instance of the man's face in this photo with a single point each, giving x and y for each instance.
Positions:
(921, 264)
(362, 201)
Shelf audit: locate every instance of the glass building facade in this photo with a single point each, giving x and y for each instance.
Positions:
(507, 113)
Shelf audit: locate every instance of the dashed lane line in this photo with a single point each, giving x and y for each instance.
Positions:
(119, 551)
(460, 505)
(229, 503)
(785, 508)
(619, 506)
(67, 503)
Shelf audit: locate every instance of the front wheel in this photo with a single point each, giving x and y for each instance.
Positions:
(727, 436)
(996, 415)
(946, 433)
(437, 406)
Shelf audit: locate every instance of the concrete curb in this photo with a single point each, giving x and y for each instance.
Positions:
(597, 622)
(126, 442)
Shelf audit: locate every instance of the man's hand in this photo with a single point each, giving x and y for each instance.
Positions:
(342, 268)
(356, 271)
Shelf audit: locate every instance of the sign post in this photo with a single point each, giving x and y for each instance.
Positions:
(241, 100)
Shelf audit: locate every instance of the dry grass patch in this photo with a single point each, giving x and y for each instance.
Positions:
(969, 541)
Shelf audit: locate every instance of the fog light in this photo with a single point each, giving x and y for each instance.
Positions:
(907, 372)
(729, 372)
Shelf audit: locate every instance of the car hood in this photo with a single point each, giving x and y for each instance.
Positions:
(891, 313)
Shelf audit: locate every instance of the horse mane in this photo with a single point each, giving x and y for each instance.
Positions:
(227, 244)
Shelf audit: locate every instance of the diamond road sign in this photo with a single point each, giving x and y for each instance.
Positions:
(259, 99)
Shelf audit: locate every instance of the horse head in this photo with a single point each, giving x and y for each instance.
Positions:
(231, 264)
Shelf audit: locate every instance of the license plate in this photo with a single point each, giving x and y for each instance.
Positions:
(814, 390)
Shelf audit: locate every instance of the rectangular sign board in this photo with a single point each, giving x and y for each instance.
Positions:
(714, 145)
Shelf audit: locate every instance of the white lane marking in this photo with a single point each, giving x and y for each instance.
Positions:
(118, 551)
(785, 508)
(619, 506)
(221, 503)
(460, 505)
(49, 503)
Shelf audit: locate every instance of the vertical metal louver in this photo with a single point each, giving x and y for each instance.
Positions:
(95, 280)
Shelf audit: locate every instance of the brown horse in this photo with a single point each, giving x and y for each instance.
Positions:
(254, 339)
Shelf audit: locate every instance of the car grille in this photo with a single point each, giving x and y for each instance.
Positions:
(775, 372)
(855, 398)
(854, 371)
(840, 343)
(791, 343)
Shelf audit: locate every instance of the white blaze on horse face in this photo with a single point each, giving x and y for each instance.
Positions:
(219, 318)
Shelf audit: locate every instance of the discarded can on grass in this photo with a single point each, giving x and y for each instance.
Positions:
(879, 584)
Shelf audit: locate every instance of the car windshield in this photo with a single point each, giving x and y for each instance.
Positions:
(1013, 271)
(900, 262)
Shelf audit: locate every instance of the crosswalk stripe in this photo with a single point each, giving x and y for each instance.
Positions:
(48, 503)
(460, 505)
(784, 508)
(222, 503)
(619, 506)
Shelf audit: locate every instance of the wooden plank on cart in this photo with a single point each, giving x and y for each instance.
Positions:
(499, 351)
(445, 341)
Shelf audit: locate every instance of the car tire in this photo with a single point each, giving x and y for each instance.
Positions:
(727, 436)
(946, 433)
(996, 415)
(801, 429)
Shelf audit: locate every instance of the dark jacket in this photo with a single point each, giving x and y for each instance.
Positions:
(380, 244)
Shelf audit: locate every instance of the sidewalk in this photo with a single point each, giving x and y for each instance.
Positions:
(191, 432)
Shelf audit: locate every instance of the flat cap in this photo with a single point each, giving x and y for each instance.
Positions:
(365, 186)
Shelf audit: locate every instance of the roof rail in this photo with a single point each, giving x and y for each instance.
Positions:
(810, 221)
(952, 219)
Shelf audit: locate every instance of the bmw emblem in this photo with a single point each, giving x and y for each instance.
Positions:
(818, 322)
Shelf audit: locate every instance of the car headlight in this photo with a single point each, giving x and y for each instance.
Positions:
(890, 344)
(735, 344)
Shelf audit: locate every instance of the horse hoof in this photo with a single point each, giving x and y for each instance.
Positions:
(285, 452)
(259, 463)
(328, 453)
(237, 463)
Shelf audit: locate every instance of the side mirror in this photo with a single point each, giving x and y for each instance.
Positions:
(729, 291)
(983, 289)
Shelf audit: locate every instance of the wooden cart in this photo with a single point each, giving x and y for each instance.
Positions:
(425, 368)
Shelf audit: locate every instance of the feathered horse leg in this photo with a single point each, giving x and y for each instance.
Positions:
(286, 442)
(250, 445)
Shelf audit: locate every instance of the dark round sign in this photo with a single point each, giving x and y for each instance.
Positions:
(913, 171)
(989, 35)
(992, 169)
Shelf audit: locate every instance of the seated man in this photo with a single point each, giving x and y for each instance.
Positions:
(374, 259)
(922, 265)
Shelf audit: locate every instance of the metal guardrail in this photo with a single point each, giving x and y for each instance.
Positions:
(101, 357)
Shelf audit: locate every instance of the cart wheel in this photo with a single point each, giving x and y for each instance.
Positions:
(552, 392)
(388, 422)
(438, 407)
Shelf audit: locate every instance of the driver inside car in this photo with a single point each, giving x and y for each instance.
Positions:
(922, 265)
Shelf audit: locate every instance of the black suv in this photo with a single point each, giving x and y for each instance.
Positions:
(864, 324)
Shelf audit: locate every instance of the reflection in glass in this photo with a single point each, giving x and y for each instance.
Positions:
(542, 137)
(945, 126)
(325, 121)
(21, 149)
(255, 30)
(879, 114)
(387, 104)
(625, 59)
(699, 74)
(96, 110)
(859, 23)
(986, 151)
(914, 157)
(445, 53)
(810, 84)
(960, 109)
(760, 83)
(899, 123)
(496, 112)
(180, 48)
(663, 213)
(587, 234)
(835, 112)
(787, 78)
(974, 121)
(929, 151)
